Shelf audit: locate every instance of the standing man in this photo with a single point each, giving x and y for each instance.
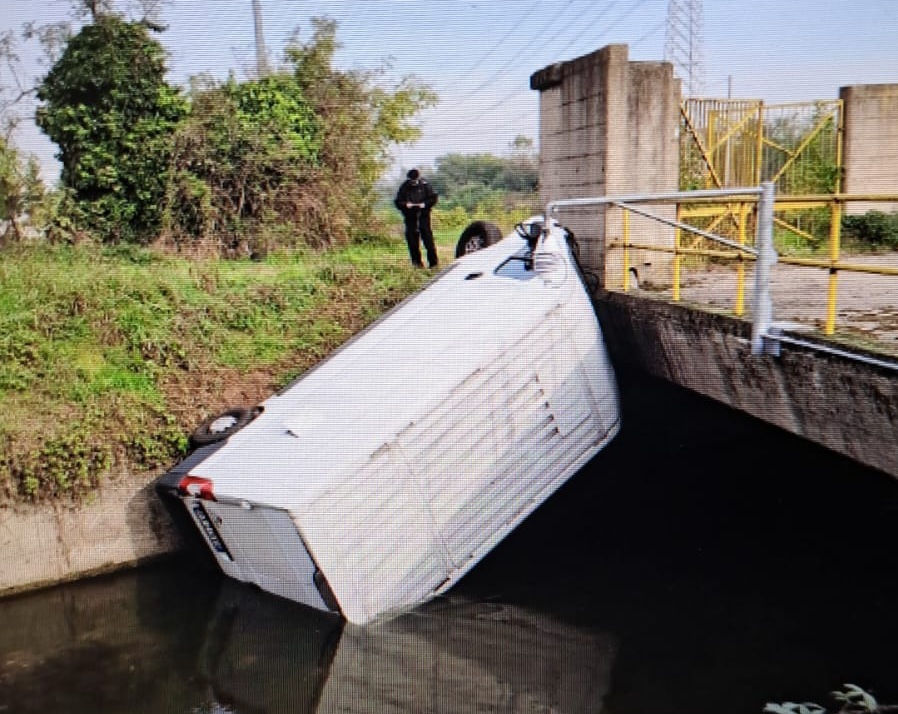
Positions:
(415, 199)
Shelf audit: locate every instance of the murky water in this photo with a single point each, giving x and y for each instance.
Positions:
(703, 563)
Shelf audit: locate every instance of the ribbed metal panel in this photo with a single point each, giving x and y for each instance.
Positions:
(371, 564)
(460, 476)
(481, 471)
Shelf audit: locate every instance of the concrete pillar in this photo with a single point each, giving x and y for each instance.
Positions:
(870, 148)
(610, 126)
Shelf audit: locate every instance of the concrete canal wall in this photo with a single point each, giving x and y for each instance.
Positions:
(124, 524)
(842, 404)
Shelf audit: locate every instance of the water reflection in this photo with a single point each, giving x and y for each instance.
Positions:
(195, 644)
(125, 643)
(461, 656)
(703, 562)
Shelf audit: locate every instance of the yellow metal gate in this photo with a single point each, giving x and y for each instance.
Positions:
(729, 143)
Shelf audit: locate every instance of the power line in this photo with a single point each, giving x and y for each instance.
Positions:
(500, 42)
(500, 102)
(607, 29)
(528, 45)
(502, 70)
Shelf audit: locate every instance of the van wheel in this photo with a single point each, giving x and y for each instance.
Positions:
(221, 426)
(477, 236)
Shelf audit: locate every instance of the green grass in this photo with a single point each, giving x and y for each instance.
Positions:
(107, 354)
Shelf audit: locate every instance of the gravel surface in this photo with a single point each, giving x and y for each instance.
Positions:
(867, 307)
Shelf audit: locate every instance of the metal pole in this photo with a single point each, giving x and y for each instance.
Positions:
(626, 223)
(740, 269)
(261, 55)
(763, 304)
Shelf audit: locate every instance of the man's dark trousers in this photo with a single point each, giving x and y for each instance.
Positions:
(417, 223)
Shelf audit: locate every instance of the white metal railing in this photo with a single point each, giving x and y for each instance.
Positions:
(766, 333)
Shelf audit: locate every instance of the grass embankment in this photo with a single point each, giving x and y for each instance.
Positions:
(110, 357)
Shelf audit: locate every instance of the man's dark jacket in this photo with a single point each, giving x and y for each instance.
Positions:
(415, 191)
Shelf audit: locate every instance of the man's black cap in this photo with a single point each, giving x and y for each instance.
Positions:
(413, 174)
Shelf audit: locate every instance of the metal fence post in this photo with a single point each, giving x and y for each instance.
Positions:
(763, 303)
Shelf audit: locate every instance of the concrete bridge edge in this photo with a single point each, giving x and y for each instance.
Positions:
(842, 404)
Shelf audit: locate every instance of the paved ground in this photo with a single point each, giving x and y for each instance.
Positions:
(867, 304)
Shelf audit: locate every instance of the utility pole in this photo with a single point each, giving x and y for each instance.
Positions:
(261, 54)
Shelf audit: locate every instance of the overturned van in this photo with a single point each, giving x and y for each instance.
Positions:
(377, 479)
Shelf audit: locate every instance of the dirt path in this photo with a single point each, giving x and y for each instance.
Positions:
(867, 307)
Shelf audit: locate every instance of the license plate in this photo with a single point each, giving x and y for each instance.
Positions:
(208, 528)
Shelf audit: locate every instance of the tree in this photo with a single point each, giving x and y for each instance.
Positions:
(108, 108)
(522, 166)
(291, 157)
(361, 121)
(468, 180)
(21, 190)
(244, 160)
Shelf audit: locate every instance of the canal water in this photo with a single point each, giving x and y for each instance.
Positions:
(704, 562)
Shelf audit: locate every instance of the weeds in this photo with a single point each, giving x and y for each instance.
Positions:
(109, 356)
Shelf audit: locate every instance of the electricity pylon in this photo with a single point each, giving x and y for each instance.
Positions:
(683, 43)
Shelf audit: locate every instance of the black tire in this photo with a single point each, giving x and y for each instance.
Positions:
(477, 236)
(221, 426)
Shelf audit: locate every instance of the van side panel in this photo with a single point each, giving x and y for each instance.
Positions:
(460, 477)
(373, 537)
(504, 436)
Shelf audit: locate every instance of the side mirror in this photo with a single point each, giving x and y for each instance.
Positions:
(534, 233)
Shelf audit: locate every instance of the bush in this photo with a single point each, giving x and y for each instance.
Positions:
(110, 111)
(289, 159)
(875, 229)
(247, 156)
(21, 191)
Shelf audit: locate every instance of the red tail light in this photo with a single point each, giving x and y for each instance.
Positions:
(197, 487)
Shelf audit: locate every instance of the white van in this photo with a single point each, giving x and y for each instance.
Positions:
(380, 477)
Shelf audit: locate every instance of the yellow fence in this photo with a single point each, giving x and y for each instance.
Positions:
(727, 143)
(735, 221)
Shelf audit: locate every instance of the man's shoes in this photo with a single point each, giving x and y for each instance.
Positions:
(433, 265)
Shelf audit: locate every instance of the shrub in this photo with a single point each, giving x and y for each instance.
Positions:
(108, 108)
(875, 229)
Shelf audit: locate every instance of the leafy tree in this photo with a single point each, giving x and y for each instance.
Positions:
(289, 158)
(469, 180)
(246, 156)
(21, 190)
(108, 108)
(873, 230)
(455, 171)
(20, 185)
(361, 120)
(522, 166)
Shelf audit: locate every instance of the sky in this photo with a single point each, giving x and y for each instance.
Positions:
(478, 56)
